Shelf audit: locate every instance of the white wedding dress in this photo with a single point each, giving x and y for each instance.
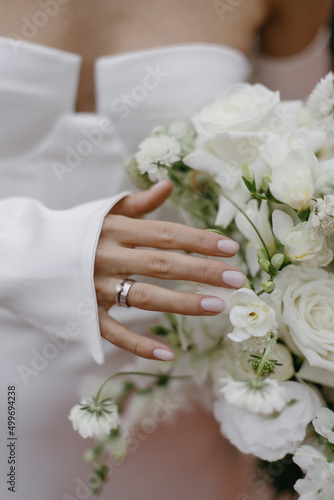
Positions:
(61, 172)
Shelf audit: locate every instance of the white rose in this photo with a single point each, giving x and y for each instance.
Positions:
(293, 180)
(305, 300)
(269, 437)
(241, 107)
(250, 316)
(300, 242)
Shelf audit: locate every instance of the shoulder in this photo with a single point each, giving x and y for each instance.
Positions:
(293, 24)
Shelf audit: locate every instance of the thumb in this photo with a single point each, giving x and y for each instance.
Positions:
(136, 205)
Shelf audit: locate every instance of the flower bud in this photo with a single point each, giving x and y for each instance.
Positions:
(266, 180)
(261, 253)
(277, 260)
(247, 172)
(268, 286)
(264, 264)
(141, 180)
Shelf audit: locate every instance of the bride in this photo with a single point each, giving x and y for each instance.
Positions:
(81, 84)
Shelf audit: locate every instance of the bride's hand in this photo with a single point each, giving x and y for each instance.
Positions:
(117, 258)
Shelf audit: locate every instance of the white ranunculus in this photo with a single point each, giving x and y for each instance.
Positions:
(299, 241)
(250, 316)
(242, 366)
(240, 107)
(293, 180)
(91, 419)
(324, 423)
(269, 437)
(305, 300)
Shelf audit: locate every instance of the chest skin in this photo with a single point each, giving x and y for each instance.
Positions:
(104, 27)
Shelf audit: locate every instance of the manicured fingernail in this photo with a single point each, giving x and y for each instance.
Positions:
(236, 279)
(159, 184)
(228, 246)
(163, 354)
(212, 304)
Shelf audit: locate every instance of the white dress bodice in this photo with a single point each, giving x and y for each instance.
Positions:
(61, 172)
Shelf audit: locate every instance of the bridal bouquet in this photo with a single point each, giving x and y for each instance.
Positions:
(260, 171)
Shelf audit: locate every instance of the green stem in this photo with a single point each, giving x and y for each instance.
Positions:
(251, 223)
(147, 374)
(265, 357)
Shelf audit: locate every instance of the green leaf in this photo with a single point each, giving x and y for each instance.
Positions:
(270, 197)
(250, 185)
(303, 215)
(159, 330)
(216, 231)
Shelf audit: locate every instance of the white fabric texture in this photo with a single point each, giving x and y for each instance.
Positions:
(61, 172)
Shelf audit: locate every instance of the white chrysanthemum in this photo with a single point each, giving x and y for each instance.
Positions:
(321, 220)
(155, 153)
(321, 102)
(250, 316)
(324, 423)
(265, 397)
(91, 419)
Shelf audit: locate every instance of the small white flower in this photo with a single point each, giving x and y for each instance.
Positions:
(318, 483)
(250, 316)
(324, 423)
(155, 153)
(265, 397)
(299, 242)
(91, 419)
(321, 102)
(321, 220)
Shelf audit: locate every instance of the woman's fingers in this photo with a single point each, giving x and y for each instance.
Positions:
(123, 337)
(175, 266)
(155, 298)
(139, 204)
(169, 236)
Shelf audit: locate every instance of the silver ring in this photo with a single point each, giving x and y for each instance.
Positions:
(122, 290)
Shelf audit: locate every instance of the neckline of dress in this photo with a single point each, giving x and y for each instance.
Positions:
(130, 53)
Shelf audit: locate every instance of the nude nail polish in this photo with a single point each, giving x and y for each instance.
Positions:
(163, 354)
(228, 247)
(236, 279)
(212, 304)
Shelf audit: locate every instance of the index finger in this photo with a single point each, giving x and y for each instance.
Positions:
(171, 236)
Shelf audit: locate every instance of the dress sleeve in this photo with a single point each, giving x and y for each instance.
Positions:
(294, 76)
(47, 267)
